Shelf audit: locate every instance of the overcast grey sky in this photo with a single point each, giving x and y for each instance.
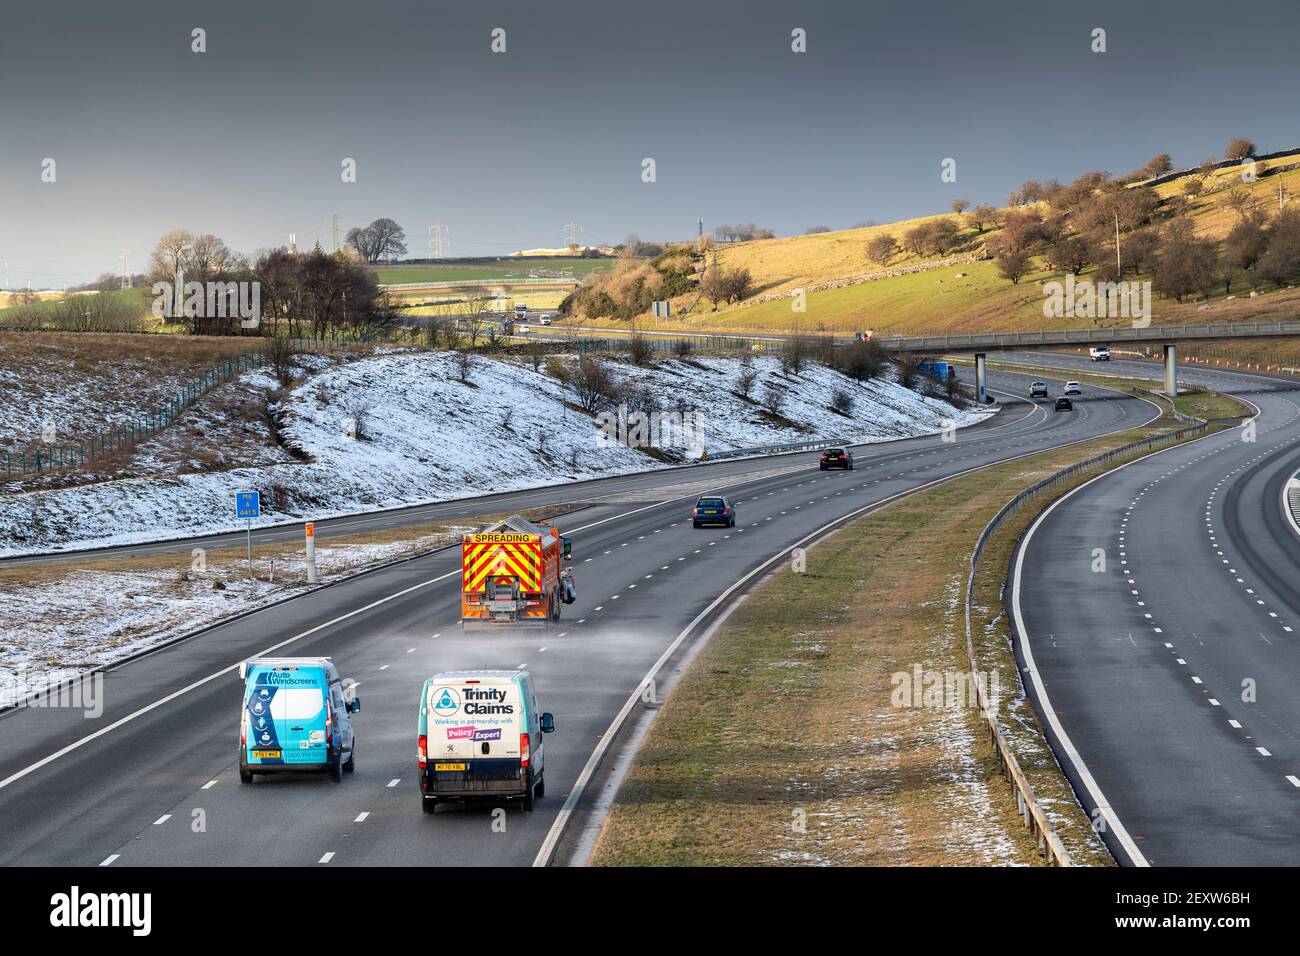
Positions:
(246, 140)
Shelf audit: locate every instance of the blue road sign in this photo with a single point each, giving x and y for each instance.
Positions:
(248, 504)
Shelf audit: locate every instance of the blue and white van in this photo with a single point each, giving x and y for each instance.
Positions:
(480, 735)
(297, 717)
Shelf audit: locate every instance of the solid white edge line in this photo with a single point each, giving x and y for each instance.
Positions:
(1045, 701)
(547, 849)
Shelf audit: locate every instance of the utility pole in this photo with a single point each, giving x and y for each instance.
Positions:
(122, 254)
(1281, 195)
(1119, 270)
(571, 231)
(293, 242)
(437, 242)
(700, 233)
(334, 230)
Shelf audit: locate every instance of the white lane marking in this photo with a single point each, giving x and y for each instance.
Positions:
(394, 782)
(384, 667)
(209, 785)
(108, 860)
(1235, 723)
(361, 817)
(1263, 752)
(162, 819)
(327, 857)
(1295, 782)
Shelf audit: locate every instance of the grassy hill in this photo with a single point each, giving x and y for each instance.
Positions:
(959, 296)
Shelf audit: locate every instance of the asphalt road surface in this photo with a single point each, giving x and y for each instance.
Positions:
(1173, 676)
(154, 780)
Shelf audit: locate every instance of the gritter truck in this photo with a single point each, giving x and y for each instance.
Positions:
(514, 574)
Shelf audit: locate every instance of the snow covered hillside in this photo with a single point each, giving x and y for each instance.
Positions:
(403, 429)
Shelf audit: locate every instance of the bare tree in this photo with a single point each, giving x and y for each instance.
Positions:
(959, 206)
(1013, 264)
(984, 215)
(1239, 148)
(882, 247)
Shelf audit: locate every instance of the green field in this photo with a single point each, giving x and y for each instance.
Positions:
(505, 269)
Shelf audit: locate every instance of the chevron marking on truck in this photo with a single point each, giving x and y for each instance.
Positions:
(521, 560)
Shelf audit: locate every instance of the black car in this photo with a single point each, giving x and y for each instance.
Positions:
(1063, 404)
(713, 509)
(837, 458)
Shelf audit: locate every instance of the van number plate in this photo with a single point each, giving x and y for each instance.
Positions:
(266, 754)
(449, 766)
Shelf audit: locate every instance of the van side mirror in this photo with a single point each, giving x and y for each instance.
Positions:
(568, 548)
(548, 723)
(354, 705)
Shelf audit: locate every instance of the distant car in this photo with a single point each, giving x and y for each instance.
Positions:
(837, 458)
(523, 330)
(486, 308)
(713, 509)
(1063, 404)
(1072, 388)
(1038, 390)
(1099, 353)
(546, 320)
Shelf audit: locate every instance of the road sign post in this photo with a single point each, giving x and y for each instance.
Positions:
(248, 505)
(311, 552)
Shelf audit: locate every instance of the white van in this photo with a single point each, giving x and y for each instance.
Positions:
(480, 735)
(1099, 353)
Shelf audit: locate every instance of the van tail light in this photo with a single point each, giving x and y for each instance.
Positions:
(243, 728)
(424, 751)
(329, 729)
(523, 750)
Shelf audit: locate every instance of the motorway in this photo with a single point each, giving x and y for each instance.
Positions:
(153, 781)
(1171, 680)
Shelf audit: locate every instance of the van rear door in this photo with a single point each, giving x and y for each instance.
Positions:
(300, 710)
(474, 729)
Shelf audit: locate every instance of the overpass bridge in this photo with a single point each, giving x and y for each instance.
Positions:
(1166, 336)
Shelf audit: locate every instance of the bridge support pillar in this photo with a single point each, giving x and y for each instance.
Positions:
(981, 378)
(1171, 369)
